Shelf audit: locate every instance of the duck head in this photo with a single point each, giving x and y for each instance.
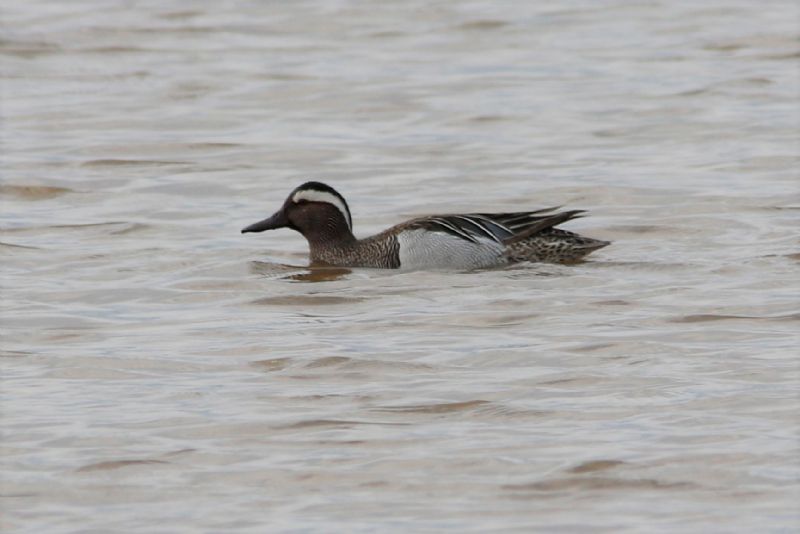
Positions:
(314, 209)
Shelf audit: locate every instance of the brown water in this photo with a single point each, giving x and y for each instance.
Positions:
(163, 373)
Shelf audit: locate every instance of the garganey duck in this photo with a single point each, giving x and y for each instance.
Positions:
(468, 241)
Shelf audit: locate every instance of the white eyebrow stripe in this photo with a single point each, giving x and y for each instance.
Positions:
(312, 195)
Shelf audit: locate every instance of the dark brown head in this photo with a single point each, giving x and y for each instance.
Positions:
(314, 209)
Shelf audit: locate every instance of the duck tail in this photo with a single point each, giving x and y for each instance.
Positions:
(544, 224)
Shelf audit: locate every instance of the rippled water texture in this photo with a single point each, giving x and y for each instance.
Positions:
(163, 373)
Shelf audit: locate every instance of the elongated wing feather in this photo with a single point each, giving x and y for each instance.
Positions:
(503, 228)
(470, 227)
(543, 223)
(518, 221)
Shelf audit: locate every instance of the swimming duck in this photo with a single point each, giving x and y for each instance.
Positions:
(461, 242)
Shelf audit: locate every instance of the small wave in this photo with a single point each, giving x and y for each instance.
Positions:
(598, 484)
(128, 162)
(710, 317)
(305, 300)
(117, 464)
(447, 407)
(34, 192)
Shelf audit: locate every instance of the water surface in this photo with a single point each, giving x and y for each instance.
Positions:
(163, 373)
